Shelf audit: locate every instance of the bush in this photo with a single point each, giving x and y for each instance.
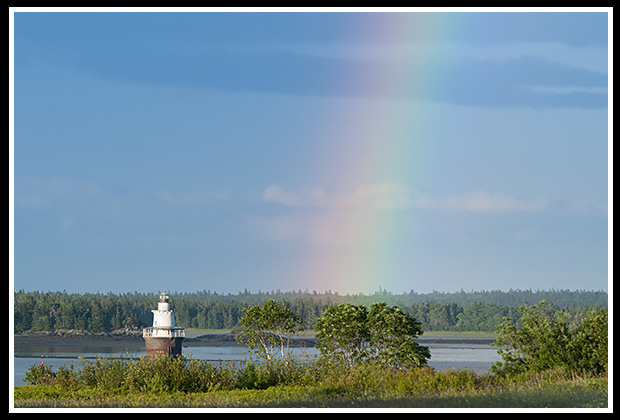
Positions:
(545, 343)
(353, 334)
(104, 373)
(588, 349)
(176, 383)
(41, 374)
(165, 375)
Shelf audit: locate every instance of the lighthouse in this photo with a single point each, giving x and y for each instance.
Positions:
(163, 338)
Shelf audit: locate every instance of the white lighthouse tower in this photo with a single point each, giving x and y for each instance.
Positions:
(163, 338)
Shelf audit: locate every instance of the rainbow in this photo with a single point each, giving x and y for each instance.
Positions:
(374, 150)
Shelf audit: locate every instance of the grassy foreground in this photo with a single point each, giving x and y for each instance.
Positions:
(569, 394)
(170, 384)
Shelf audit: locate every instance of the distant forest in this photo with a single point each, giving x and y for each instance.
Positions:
(437, 311)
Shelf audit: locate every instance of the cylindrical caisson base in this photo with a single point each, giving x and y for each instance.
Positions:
(159, 346)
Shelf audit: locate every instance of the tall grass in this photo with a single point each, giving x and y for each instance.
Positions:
(123, 382)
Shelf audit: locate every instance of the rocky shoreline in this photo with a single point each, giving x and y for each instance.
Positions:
(132, 339)
(228, 340)
(126, 339)
(124, 332)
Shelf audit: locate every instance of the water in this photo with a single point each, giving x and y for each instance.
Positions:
(446, 353)
(461, 352)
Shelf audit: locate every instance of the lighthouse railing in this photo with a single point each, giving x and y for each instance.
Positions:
(166, 333)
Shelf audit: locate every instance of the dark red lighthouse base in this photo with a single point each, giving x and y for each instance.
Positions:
(159, 346)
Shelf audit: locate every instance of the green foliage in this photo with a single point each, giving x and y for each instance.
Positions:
(351, 334)
(544, 342)
(276, 373)
(103, 373)
(539, 345)
(588, 348)
(267, 328)
(459, 311)
(318, 383)
(393, 335)
(41, 374)
(342, 333)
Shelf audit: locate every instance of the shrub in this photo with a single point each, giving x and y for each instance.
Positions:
(545, 342)
(588, 349)
(41, 374)
(353, 334)
(104, 373)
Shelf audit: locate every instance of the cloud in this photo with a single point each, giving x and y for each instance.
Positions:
(192, 198)
(566, 89)
(335, 219)
(385, 196)
(331, 219)
(275, 194)
(388, 196)
(488, 76)
(42, 193)
(482, 201)
(591, 58)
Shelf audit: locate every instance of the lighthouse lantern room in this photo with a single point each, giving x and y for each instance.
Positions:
(163, 338)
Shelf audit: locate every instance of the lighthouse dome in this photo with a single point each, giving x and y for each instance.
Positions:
(163, 316)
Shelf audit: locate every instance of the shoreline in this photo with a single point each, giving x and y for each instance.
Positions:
(133, 340)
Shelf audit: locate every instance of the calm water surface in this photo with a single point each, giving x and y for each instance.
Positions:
(446, 353)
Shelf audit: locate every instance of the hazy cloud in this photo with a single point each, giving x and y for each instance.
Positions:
(384, 196)
(566, 89)
(37, 192)
(482, 201)
(592, 57)
(192, 198)
(389, 196)
(321, 218)
(472, 75)
(332, 219)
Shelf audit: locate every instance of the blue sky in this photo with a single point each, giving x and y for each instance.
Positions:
(225, 151)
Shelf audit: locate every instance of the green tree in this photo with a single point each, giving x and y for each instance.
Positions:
(588, 348)
(97, 316)
(342, 332)
(541, 343)
(43, 316)
(544, 342)
(393, 335)
(23, 310)
(267, 328)
(351, 333)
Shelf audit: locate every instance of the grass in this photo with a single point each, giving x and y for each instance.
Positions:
(207, 331)
(108, 383)
(590, 393)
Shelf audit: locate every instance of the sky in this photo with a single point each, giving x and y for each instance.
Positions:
(320, 151)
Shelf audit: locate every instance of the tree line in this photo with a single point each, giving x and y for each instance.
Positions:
(460, 311)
